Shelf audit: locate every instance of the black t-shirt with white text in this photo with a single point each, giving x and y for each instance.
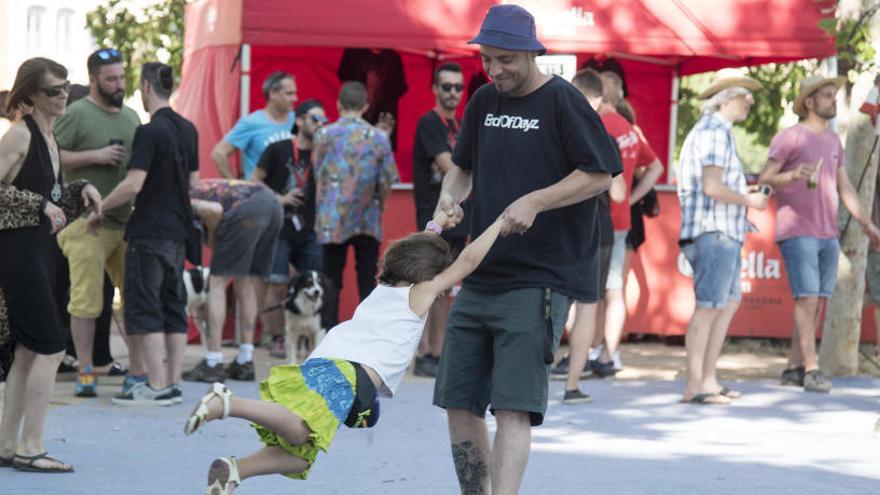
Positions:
(514, 146)
(159, 208)
(282, 176)
(434, 135)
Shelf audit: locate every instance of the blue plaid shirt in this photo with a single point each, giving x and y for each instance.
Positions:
(710, 143)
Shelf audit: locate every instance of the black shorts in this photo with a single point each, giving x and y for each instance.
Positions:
(247, 237)
(155, 297)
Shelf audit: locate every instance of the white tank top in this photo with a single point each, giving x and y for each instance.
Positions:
(383, 334)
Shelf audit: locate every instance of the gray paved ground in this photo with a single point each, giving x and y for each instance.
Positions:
(635, 438)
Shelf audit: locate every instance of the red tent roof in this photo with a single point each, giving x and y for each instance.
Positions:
(692, 34)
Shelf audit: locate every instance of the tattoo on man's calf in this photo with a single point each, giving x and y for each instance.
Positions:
(470, 466)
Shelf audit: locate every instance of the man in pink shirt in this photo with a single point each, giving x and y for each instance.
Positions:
(805, 167)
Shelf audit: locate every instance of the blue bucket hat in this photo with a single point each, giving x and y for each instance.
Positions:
(509, 27)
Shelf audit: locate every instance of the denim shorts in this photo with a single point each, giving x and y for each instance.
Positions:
(811, 265)
(305, 254)
(717, 262)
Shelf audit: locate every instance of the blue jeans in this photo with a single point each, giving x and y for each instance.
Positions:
(811, 265)
(305, 254)
(717, 263)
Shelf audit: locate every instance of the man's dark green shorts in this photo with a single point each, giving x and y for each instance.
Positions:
(494, 351)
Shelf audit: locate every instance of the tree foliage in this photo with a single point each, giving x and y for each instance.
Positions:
(142, 35)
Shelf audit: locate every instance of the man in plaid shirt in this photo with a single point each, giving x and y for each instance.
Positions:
(714, 198)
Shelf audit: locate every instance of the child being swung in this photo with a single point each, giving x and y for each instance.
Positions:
(304, 405)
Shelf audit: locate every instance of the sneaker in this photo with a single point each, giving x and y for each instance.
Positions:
(68, 365)
(204, 373)
(597, 351)
(117, 369)
(175, 392)
(560, 371)
(132, 380)
(276, 348)
(86, 383)
(576, 397)
(241, 372)
(618, 363)
(426, 366)
(793, 376)
(815, 381)
(143, 394)
(602, 370)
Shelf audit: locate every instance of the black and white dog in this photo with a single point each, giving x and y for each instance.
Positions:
(196, 282)
(308, 298)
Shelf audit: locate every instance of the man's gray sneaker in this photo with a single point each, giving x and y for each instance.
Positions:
(176, 393)
(576, 397)
(815, 381)
(793, 376)
(204, 373)
(560, 371)
(242, 372)
(144, 395)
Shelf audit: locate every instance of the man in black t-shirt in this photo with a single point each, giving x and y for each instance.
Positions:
(436, 134)
(536, 154)
(164, 163)
(286, 167)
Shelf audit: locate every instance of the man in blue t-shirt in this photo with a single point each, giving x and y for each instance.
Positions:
(254, 132)
(532, 150)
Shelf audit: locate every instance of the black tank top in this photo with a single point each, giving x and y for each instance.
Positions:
(36, 173)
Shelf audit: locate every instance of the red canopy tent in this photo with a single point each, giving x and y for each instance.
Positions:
(232, 45)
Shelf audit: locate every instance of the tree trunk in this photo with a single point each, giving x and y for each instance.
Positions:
(839, 351)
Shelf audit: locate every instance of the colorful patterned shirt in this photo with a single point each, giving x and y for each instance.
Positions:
(353, 164)
(710, 144)
(227, 192)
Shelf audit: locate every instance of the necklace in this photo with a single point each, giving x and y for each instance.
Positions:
(55, 160)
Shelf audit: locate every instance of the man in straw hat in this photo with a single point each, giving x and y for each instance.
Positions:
(530, 141)
(714, 199)
(805, 166)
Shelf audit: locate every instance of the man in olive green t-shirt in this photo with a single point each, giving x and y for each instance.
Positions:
(95, 137)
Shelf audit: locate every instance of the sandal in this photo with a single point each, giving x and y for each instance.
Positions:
(730, 394)
(222, 476)
(6, 461)
(200, 414)
(29, 466)
(707, 399)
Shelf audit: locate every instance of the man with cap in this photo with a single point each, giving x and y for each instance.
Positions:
(805, 166)
(531, 148)
(286, 167)
(714, 200)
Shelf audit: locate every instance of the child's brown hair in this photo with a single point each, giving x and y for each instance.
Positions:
(415, 258)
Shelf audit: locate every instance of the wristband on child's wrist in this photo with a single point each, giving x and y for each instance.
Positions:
(434, 227)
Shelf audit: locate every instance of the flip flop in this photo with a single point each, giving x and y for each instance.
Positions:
(730, 394)
(6, 461)
(29, 460)
(707, 399)
(199, 415)
(222, 476)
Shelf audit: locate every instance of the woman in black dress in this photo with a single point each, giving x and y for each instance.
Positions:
(33, 207)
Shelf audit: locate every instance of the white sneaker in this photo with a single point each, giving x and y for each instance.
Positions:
(144, 395)
(618, 364)
(595, 352)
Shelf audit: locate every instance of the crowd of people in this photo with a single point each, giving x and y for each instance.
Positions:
(93, 200)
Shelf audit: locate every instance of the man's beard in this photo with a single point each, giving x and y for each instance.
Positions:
(449, 104)
(114, 99)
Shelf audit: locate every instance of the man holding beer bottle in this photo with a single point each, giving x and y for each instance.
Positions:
(805, 167)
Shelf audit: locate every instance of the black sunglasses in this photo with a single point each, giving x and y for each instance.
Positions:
(53, 91)
(109, 54)
(447, 87)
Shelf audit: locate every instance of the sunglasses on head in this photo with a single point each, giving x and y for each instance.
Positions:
(447, 87)
(318, 119)
(109, 54)
(53, 91)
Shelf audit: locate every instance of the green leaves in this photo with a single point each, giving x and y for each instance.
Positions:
(153, 33)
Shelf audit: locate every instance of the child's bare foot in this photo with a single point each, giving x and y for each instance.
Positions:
(223, 476)
(214, 405)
